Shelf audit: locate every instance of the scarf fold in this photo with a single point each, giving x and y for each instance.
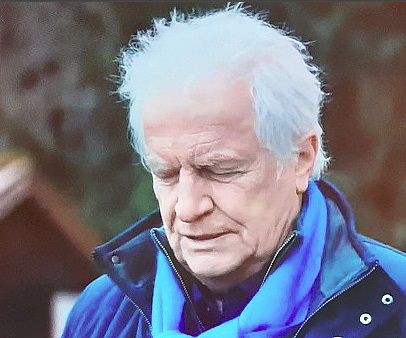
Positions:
(279, 306)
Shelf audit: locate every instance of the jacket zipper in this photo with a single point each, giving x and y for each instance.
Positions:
(200, 324)
(358, 280)
(285, 243)
(142, 313)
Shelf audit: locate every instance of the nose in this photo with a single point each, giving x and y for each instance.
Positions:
(193, 197)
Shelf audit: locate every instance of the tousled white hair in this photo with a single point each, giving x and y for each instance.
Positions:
(285, 86)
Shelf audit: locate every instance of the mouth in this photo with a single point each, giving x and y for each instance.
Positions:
(205, 237)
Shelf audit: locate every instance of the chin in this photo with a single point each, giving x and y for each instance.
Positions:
(212, 266)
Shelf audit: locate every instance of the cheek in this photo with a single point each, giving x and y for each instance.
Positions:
(175, 244)
(243, 203)
(246, 213)
(230, 200)
(158, 191)
(166, 203)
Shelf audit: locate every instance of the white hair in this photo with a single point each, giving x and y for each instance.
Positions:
(285, 86)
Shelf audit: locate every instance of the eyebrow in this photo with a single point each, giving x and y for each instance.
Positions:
(223, 162)
(225, 155)
(212, 160)
(158, 166)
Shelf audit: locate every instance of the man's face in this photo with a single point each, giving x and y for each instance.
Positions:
(224, 210)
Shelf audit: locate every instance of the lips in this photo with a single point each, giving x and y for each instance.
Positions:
(205, 237)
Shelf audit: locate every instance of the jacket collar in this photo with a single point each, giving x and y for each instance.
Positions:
(129, 258)
(345, 257)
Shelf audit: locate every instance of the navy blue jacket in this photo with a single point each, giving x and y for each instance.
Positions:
(362, 291)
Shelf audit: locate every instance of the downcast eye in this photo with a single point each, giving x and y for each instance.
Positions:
(167, 177)
(222, 175)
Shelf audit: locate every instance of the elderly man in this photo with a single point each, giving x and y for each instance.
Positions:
(248, 242)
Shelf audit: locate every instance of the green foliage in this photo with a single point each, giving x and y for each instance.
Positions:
(143, 199)
(114, 204)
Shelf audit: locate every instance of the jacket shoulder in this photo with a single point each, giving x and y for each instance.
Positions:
(102, 310)
(393, 261)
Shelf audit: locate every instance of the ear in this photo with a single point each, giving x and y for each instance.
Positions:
(308, 149)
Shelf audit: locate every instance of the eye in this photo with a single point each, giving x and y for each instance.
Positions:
(167, 177)
(222, 174)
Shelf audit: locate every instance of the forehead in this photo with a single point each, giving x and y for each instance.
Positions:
(223, 95)
(212, 119)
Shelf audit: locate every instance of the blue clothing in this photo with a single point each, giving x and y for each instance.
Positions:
(207, 304)
(361, 293)
(292, 286)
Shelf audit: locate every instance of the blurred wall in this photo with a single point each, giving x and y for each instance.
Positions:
(57, 77)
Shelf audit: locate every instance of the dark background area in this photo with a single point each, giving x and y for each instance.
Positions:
(57, 73)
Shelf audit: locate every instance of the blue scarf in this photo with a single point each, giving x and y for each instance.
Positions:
(279, 306)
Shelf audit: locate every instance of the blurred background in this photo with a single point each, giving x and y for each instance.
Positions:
(69, 179)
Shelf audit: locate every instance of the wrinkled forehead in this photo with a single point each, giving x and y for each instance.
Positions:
(212, 118)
